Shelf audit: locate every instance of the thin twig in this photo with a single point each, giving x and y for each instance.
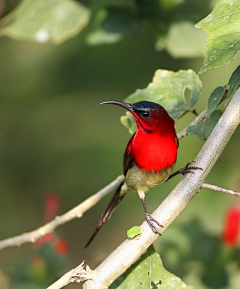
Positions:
(216, 188)
(76, 212)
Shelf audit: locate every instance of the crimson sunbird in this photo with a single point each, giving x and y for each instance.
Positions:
(149, 157)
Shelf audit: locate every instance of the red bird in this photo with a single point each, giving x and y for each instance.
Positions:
(149, 157)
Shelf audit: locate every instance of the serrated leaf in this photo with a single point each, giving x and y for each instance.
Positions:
(111, 25)
(184, 40)
(215, 98)
(148, 272)
(223, 34)
(233, 84)
(133, 232)
(168, 89)
(49, 20)
(204, 128)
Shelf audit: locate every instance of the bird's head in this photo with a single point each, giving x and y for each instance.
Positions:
(149, 116)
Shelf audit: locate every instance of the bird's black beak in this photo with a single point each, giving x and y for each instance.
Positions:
(126, 105)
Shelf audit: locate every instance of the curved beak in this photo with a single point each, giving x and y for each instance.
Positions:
(123, 104)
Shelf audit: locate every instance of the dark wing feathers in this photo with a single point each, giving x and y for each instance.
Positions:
(128, 162)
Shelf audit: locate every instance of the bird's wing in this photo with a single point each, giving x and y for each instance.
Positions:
(128, 162)
(177, 141)
(128, 159)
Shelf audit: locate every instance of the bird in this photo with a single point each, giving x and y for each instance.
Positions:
(148, 159)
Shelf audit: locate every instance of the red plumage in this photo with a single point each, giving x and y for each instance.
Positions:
(153, 152)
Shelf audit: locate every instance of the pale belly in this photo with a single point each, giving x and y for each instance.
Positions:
(141, 180)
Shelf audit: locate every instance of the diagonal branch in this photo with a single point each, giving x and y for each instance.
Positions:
(130, 250)
(79, 274)
(76, 212)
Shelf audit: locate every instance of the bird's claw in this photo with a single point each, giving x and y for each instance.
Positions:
(150, 220)
(188, 170)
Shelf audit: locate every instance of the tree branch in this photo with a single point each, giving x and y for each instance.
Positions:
(76, 212)
(216, 188)
(130, 250)
(80, 274)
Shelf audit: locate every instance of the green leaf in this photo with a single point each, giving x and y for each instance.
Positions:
(209, 126)
(204, 128)
(223, 34)
(133, 232)
(49, 20)
(148, 272)
(128, 121)
(191, 130)
(111, 24)
(200, 130)
(215, 98)
(184, 40)
(233, 84)
(168, 88)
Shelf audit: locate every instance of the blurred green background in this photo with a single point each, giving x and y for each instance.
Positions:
(55, 137)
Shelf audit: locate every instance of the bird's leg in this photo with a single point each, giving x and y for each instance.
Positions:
(184, 171)
(150, 220)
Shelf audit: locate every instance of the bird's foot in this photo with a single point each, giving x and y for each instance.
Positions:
(184, 171)
(188, 170)
(150, 220)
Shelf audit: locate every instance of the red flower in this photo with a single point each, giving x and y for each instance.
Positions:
(52, 204)
(61, 246)
(232, 226)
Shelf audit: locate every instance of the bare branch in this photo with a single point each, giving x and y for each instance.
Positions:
(130, 250)
(80, 274)
(76, 212)
(216, 188)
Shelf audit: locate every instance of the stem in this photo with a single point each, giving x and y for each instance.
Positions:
(216, 188)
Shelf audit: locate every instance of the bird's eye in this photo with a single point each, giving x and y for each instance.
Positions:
(145, 114)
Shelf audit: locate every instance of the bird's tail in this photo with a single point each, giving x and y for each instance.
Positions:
(107, 214)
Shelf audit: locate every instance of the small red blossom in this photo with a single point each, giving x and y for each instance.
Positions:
(232, 226)
(52, 204)
(61, 247)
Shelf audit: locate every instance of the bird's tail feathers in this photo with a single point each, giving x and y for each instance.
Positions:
(108, 212)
